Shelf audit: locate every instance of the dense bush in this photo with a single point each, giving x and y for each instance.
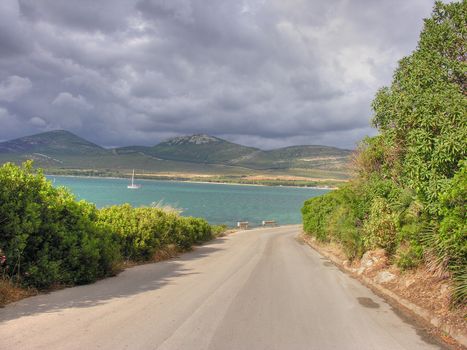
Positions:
(409, 192)
(50, 238)
(46, 235)
(142, 231)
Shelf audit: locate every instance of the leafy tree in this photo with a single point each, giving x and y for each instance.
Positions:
(422, 115)
(410, 190)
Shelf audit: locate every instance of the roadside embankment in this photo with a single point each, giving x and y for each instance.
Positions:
(408, 192)
(417, 292)
(50, 240)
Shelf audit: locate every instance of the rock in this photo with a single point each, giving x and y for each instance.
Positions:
(367, 260)
(373, 260)
(384, 277)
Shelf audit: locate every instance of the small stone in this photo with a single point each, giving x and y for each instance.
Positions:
(367, 260)
(384, 277)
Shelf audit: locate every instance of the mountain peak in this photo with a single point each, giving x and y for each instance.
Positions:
(197, 139)
(51, 142)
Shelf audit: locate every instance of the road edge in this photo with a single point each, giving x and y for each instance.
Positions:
(420, 313)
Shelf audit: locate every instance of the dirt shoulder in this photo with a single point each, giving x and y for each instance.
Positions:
(418, 292)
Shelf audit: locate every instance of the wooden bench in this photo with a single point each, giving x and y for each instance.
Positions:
(243, 225)
(269, 223)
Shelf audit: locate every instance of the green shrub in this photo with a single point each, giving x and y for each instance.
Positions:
(315, 213)
(50, 238)
(342, 227)
(138, 230)
(142, 231)
(379, 229)
(410, 256)
(218, 230)
(336, 216)
(46, 235)
(409, 193)
(451, 242)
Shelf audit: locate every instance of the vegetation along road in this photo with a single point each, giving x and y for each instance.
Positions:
(257, 289)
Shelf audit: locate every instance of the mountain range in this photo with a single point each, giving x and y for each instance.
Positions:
(202, 154)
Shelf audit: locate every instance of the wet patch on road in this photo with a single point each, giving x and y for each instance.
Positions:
(368, 302)
(423, 332)
(300, 240)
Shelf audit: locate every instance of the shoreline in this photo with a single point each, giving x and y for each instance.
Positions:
(192, 181)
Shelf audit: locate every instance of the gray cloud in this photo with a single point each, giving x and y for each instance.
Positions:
(267, 73)
(68, 101)
(14, 87)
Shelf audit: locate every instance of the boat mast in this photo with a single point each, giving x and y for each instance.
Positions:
(133, 178)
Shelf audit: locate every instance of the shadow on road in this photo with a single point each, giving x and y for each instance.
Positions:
(130, 282)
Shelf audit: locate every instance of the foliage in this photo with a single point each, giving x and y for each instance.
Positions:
(142, 231)
(50, 238)
(46, 235)
(409, 192)
(422, 116)
(451, 241)
(379, 229)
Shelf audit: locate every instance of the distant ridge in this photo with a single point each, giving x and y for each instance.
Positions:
(61, 148)
(196, 139)
(305, 156)
(56, 142)
(200, 148)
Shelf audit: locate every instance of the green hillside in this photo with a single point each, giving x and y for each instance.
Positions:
(62, 152)
(305, 157)
(213, 150)
(194, 148)
(52, 143)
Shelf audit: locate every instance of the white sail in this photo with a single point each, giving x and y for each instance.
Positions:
(133, 186)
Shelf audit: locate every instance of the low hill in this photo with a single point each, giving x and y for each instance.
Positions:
(52, 143)
(63, 152)
(200, 149)
(213, 150)
(194, 149)
(307, 156)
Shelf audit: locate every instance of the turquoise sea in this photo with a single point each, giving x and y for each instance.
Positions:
(218, 203)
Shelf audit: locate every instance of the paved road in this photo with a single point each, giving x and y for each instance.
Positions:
(258, 289)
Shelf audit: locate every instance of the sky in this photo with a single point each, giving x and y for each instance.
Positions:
(265, 73)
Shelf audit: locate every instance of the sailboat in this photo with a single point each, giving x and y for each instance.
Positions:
(133, 186)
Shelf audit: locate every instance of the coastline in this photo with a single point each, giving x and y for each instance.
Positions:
(192, 181)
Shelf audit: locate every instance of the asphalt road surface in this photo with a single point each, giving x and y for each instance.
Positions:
(257, 289)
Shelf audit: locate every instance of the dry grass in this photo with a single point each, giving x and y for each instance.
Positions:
(9, 292)
(168, 252)
(165, 253)
(166, 207)
(175, 174)
(290, 178)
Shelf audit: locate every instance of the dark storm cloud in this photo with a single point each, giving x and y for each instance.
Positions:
(267, 73)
